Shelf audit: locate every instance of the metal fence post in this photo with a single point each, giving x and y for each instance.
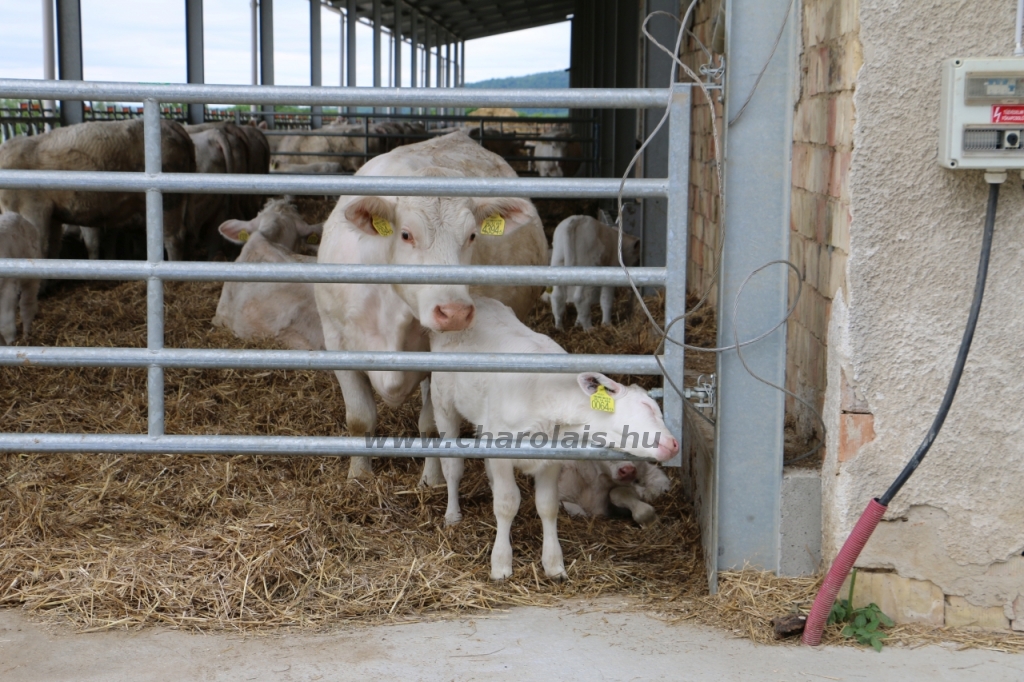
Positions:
(154, 254)
(675, 250)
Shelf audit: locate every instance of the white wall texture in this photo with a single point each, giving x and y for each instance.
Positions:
(895, 329)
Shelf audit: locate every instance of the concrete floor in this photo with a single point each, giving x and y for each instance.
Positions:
(581, 641)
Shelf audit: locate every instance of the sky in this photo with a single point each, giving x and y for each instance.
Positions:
(144, 41)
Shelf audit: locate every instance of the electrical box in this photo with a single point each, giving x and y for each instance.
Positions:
(981, 120)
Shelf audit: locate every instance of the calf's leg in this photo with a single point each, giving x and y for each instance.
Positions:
(558, 305)
(625, 496)
(29, 304)
(506, 504)
(546, 497)
(607, 302)
(8, 310)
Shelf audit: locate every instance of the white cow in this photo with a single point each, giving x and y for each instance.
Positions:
(285, 311)
(321, 168)
(18, 239)
(592, 488)
(580, 240)
(534, 404)
(421, 231)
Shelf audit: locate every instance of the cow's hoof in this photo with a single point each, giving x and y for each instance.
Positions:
(452, 519)
(360, 474)
(428, 481)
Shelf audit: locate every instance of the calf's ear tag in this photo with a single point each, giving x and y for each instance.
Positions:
(549, 290)
(493, 225)
(243, 235)
(382, 226)
(313, 238)
(601, 401)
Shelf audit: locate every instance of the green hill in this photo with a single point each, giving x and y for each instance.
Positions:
(548, 79)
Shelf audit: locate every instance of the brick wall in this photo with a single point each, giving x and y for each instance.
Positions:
(820, 218)
(705, 222)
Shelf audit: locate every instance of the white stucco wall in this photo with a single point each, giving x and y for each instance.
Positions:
(914, 244)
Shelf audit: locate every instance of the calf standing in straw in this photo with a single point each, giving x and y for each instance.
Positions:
(583, 241)
(18, 239)
(502, 404)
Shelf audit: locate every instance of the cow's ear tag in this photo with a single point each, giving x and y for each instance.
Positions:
(601, 401)
(549, 290)
(313, 238)
(493, 225)
(382, 226)
(243, 236)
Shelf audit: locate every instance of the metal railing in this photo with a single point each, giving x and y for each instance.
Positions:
(156, 358)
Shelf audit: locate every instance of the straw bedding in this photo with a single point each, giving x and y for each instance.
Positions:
(257, 543)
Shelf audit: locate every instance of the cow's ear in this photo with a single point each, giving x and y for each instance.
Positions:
(589, 381)
(239, 231)
(305, 229)
(514, 213)
(373, 215)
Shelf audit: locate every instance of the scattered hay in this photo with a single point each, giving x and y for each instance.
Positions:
(204, 542)
(748, 600)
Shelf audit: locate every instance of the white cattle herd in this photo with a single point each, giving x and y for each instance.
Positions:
(559, 409)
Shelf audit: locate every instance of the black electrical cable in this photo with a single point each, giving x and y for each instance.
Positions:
(961, 358)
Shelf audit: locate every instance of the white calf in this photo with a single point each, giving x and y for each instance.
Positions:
(503, 404)
(584, 241)
(285, 311)
(18, 239)
(591, 488)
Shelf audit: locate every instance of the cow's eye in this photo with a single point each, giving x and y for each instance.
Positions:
(472, 236)
(406, 237)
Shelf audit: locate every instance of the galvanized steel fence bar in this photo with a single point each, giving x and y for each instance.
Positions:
(155, 358)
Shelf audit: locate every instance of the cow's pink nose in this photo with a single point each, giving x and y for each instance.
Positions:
(453, 317)
(668, 448)
(627, 472)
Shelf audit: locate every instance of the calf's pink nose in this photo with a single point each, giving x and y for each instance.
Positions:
(627, 472)
(668, 448)
(453, 317)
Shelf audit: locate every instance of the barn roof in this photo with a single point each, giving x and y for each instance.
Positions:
(468, 19)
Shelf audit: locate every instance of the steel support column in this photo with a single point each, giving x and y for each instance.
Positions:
(626, 47)
(657, 74)
(427, 32)
(351, 19)
(69, 56)
(315, 60)
(414, 37)
(194, 60)
(49, 55)
(398, 43)
(749, 452)
(267, 53)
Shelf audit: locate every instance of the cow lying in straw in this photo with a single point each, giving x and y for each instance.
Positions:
(546, 405)
(285, 311)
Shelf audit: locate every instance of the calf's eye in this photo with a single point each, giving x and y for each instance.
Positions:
(406, 237)
(472, 237)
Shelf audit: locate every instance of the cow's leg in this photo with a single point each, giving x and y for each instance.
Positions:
(360, 415)
(545, 484)
(558, 305)
(607, 303)
(432, 474)
(91, 237)
(174, 231)
(625, 496)
(506, 504)
(8, 310)
(453, 469)
(29, 304)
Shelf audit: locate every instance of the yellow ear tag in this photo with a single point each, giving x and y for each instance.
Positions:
(601, 401)
(549, 290)
(382, 226)
(313, 238)
(493, 225)
(243, 236)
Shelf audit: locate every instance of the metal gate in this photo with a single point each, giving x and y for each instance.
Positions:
(156, 358)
